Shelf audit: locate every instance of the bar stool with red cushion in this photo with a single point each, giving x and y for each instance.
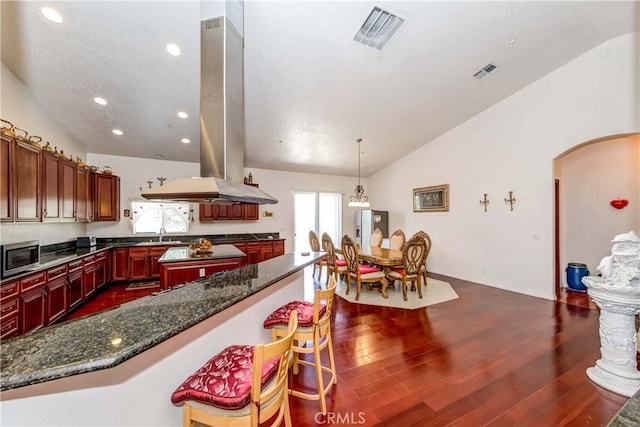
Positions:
(361, 273)
(240, 386)
(335, 266)
(314, 324)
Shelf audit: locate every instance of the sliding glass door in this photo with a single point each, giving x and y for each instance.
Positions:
(317, 211)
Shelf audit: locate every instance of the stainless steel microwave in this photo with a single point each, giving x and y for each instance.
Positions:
(19, 257)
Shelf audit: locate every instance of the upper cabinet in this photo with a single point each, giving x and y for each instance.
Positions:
(106, 197)
(37, 184)
(222, 212)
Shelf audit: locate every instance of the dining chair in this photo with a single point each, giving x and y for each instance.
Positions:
(376, 238)
(314, 243)
(335, 266)
(396, 241)
(413, 256)
(314, 324)
(427, 240)
(241, 385)
(361, 273)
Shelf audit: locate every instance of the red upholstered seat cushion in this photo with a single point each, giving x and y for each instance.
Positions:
(305, 314)
(365, 269)
(225, 380)
(341, 262)
(398, 270)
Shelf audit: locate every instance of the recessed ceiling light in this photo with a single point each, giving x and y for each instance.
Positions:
(173, 49)
(513, 40)
(117, 132)
(182, 114)
(100, 101)
(51, 15)
(170, 125)
(159, 156)
(185, 140)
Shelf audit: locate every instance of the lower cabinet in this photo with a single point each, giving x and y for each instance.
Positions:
(120, 264)
(32, 302)
(10, 309)
(102, 269)
(138, 263)
(177, 273)
(56, 293)
(74, 284)
(89, 276)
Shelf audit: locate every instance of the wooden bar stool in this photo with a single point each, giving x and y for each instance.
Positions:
(314, 324)
(240, 386)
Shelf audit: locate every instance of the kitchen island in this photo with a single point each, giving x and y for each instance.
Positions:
(119, 367)
(178, 265)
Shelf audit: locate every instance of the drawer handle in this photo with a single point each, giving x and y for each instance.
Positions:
(6, 328)
(9, 308)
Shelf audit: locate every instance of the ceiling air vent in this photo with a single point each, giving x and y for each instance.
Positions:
(378, 28)
(485, 71)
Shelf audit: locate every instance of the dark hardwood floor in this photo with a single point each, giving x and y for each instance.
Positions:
(110, 296)
(489, 358)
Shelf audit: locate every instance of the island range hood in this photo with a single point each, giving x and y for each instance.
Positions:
(221, 125)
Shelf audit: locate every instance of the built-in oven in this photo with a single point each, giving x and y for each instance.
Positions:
(19, 257)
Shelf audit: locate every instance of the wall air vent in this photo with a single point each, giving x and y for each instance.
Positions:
(378, 28)
(485, 71)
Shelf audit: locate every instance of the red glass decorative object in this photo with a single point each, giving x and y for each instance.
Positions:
(619, 203)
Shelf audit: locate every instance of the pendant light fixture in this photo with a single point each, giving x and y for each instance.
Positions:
(359, 200)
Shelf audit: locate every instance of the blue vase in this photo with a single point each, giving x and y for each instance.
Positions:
(575, 272)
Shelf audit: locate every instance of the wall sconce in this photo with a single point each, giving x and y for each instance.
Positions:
(619, 203)
(484, 202)
(511, 200)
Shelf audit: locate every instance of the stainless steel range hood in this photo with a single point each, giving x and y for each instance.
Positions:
(221, 125)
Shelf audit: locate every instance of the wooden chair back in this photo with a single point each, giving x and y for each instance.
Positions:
(413, 255)
(350, 253)
(426, 238)
(376, 238)
(314, 243)
(397, 240)
(330, 249)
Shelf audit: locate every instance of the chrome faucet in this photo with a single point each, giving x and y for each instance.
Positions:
(162, 233)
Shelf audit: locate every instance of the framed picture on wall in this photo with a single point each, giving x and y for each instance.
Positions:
(431, 199)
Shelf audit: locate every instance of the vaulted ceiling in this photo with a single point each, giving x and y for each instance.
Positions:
(310, 89)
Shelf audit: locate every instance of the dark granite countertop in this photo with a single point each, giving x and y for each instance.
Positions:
(629, 414)
(219, 252)
(108, 338)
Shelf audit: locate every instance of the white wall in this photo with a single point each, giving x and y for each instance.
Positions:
(511, 146)
(134, 172)
(590, 178)
(18, 106)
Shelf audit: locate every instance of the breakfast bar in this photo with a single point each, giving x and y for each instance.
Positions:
(119, 367)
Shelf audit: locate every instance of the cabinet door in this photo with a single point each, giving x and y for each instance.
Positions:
(183, 272)
(154, 255)
(74, 287)
(266, 251)
(138, 263)
(56, 299)
(6, 178)
(106, 197)
(250, 212)
(120, 264)
(253, 252)
(83, 195)
(27, 183)
(33, 310)
(50, 187)
(278, 248)
(208, 212)
(224, 211)
(236, 211)
(67, 192)
(89, 279)
(101, 270)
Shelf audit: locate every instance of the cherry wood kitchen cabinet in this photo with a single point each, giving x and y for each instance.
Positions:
(6, 178)
(120, 264)
(106, 197)
(278, 248)
(10, 309)
(222, 212)
(138, 263)
(102, 269)
(56, 294)
(67, 191)
(50, 187)
(27, 183)
(253, 252)
(84, 205)
(32, 302)
(75, 278)
(154, 255)
(266, 251)
(177, 273)
(89, 276)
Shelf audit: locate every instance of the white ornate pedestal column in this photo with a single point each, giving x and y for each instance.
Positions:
(617, 293)
(616, 369)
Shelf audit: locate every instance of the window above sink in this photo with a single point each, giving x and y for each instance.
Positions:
(151, 217)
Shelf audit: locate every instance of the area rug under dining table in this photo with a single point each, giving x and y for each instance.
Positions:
(436, 292)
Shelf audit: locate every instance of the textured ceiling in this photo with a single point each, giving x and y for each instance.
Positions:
(310, 90)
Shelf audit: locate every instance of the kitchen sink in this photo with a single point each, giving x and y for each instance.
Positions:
(156, 243)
